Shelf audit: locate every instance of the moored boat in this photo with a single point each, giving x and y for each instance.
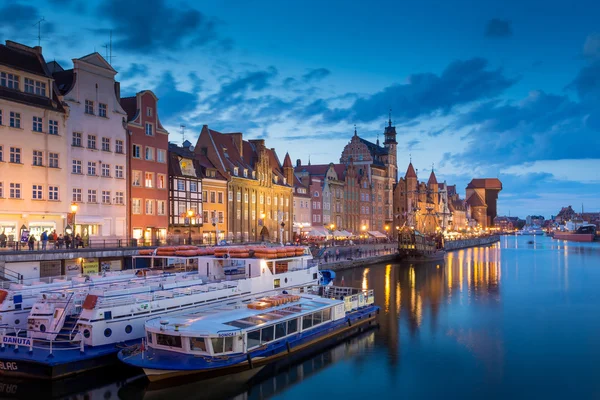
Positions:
(584, 233)
(81, 334)
(239, 338)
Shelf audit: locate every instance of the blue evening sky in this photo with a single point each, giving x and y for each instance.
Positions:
(507, 89)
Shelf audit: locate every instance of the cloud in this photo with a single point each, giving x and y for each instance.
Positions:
(141, 29)
(316, 75)
(134, 71)
(174, 102)
(591, 47)
(587, 83)
(498, 28)
(462, 82)
(16, 15)
(540, 127)
(412, 144)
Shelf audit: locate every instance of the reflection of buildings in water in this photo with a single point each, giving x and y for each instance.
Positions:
(482, 268)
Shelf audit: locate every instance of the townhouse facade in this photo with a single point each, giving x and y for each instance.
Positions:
(34, 192)
(148, 171)
(97, 155)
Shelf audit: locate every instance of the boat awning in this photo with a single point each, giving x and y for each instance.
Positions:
(377, 234)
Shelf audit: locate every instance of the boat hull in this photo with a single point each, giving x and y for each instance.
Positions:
(422, 257)
(346, 327)
(575, 237)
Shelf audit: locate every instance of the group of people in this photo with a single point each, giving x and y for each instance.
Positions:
(67, 241)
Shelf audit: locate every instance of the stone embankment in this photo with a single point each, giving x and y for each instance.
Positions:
(346, 257)
(475, 242)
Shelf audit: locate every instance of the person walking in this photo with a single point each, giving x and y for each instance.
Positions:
(337, 255)
(67, 241)
(30, 241)
(60, 241)
(44, 239)
(77, 242)
(3, 239)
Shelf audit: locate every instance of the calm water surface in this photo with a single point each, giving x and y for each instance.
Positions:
(517, 320)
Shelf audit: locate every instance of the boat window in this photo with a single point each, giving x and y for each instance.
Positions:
(197, 344)
(253, 338)
(280, 330)
(326, 314)
(281, 267)
(292, 326)
(276, 283)
(228, 344)
(317, 318)
(168, 340)
(307, 321)
(266, 334)
(217, 344)
(149, 337)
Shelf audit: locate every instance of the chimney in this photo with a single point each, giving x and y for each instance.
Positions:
(298, 163)
(118, 90)
(238, 142)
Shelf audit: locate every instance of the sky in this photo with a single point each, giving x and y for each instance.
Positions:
(499, 89)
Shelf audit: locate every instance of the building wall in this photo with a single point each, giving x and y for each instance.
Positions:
(316, 192)
(302, 217)
(152, 221)
(95, 82)
(214, 204)
(35, 214)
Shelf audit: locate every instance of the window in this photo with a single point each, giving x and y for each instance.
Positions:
(35, 87)
(15, 120)
(149, 207)
(280, 330)
(37, 124)
(168, 340)
(38, 158)
(105, 170)
(76, 167)
(119, 146)
(106, 197)
(181, 185)
(91, 168)
(253, 338)
(1, 153)
(89, 107)
(52, 127)
(136, 151)
(316, 194)
(275, 198)
(119, 171)
(253, 198)
(149, 179)
(230, 196)
(253, 215)
(77, 195)
(105, 144)
(307, 321)
(148, 111)
(149, 153)
(193, 186)
(36, 192)
(137, 178)
(53, 160)
(29, 85)
(239, 196)
(220, 197)
(268, 200)
(1, 190)
(212, 197)
(205, 217)
(76, 139)
(266, 334)
(245, 173)
(221, 217)
(91, 141)
(160, 156)
(149, 130)
(52, 192)
(10, 81)
(262, 199)
(119, 198)
(92, 196)
(101, 110)
(15, 191)
(161, 208)
(161, 181)
(15, 155)
(0, 117)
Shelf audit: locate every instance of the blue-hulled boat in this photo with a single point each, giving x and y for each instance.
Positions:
(242, 338)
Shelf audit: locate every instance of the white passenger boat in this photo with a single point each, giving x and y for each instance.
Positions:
(112, 316)
(243, 337)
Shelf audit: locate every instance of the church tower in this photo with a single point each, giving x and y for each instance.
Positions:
(390, 144)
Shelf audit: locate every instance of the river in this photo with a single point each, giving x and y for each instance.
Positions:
(516, 320)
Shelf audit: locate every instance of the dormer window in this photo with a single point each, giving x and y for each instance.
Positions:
(253, 174)
(285, 181)
(245, 173)
(235, 171)
(275, 178)
(35, 87)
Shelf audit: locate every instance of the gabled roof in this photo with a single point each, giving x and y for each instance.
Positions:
(410, 172)
(64, 80)
(129, 104)
(175, 152)
(96, 59)
(23, 58)
(476, 201)
(314, 169)
(485, 183)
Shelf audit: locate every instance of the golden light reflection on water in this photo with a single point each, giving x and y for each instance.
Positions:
(481, 266)
(388, 272)
(365, 280)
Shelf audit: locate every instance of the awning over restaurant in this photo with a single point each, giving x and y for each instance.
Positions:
(377, 234)
(338, 234)
(347, 234)
(315, 232)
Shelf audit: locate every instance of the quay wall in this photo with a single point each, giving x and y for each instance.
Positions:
(475, 242)
(361, 262)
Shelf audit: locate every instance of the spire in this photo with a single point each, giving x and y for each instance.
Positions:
(287, 161)
(355, 134)
(432, 179)
(309, 159)
(378, 139)
(410, 172)
(390, 120)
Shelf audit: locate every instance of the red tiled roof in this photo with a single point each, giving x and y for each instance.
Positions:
(318, 169)
(485, 183)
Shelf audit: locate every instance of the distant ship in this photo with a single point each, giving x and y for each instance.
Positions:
(584, 233)
(531, 230)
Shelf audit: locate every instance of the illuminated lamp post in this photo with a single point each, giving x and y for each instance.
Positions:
(190, 215)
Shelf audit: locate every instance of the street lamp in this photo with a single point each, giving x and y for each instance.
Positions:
(387, 231)
(190, 215)
(74, 208)
(262, 225)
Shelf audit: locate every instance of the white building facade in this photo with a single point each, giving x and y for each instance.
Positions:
(97, 151)
(34, 193)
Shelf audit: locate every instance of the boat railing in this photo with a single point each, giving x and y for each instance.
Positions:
(162, 294)
(16, 340)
